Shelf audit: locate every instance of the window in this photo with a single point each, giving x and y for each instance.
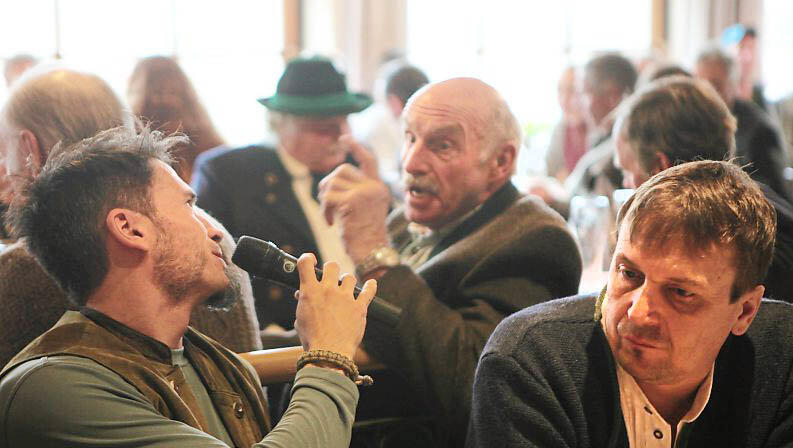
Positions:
(230, 51)
(521, 48)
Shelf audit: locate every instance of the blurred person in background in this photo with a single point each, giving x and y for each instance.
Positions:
(569, 138)
(608, 79)
(65, 106)
(379, 127)
(676, 120)
(270, 192)
(159, 92)
(16, 66)
(758, 142)
(741, 41)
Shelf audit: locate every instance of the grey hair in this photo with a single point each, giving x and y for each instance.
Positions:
(64, 106)
(501, 128)
(715, 55)
(614, 68)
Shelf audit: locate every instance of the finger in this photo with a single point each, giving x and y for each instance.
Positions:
(330, 272)
(365, 158)
(367, 292)
(327, 208)
(297, 295)
(342, 181)
(343, 171)
(305, 268)
(348, 283)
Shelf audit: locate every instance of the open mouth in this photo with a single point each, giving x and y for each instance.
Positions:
(417, 190)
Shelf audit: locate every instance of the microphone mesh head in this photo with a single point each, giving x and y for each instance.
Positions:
(252, 255)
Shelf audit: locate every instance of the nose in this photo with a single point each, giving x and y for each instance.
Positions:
(413, 160)
(344, 128)
(212, 232)
(642, 308)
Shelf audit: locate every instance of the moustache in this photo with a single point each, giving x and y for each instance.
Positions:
(423, 183)
(647, 333)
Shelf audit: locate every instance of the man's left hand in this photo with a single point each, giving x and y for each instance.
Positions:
(358, 201)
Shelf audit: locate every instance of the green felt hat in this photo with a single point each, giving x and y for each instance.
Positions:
(313, 86)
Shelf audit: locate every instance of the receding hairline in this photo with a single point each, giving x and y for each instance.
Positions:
(479, 100)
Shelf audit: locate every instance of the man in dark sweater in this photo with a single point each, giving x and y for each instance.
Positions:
(666, 355)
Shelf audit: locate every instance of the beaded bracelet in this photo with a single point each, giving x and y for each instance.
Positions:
(336, 360)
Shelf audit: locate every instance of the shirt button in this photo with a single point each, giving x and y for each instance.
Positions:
(658, 434)
(239, 411)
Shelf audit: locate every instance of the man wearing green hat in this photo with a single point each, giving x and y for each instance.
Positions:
(270, 193)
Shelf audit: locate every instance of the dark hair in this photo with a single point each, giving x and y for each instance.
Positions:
(404, 81)
(61, 213)
(681, 117)
(706, 204)
(614, 68)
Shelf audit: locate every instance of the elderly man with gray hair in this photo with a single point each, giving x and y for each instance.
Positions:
(465, 251)
(54, 106)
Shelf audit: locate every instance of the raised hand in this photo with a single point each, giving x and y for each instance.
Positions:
(358, 201)
(328, 317)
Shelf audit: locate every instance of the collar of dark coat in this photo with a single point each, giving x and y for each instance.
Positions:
(493, 206)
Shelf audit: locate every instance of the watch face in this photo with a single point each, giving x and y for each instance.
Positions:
(387, 257)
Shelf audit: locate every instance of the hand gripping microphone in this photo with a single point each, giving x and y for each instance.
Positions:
(265, 260)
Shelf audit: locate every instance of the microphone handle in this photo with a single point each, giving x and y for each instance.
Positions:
(379, 309)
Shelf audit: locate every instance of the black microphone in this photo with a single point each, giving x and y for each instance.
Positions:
(265, 260)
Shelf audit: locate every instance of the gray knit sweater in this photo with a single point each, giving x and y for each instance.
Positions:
(547, 379)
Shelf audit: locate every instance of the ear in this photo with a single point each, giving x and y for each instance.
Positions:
(395, 105)
(661, 163)
(131, 229)
(32, 152)
(503, 162)
(749, 304)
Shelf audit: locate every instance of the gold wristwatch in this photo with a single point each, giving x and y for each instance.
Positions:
(382, 257)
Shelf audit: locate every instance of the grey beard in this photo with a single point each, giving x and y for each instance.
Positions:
(224, 300)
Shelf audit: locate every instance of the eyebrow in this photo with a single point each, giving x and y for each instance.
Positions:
(450, 129)
(681, 280)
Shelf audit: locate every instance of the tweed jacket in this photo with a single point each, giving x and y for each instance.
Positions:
(512, 253)
(250, 192)
(547, 378)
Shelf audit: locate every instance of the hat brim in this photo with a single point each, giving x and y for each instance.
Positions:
(332, 104)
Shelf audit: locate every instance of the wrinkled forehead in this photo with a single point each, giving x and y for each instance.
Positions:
(441, 112)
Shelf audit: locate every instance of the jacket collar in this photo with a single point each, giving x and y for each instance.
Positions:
(148, 346)
(493, 206)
